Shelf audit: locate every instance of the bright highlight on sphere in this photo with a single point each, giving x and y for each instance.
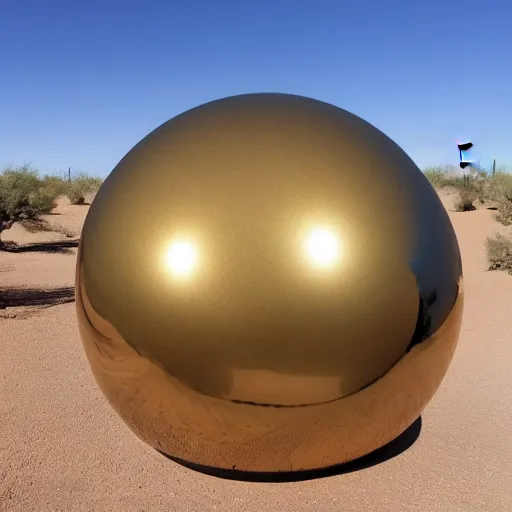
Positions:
(181, 258)
(323, 247)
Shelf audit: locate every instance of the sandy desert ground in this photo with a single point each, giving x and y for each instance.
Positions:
(62, 448)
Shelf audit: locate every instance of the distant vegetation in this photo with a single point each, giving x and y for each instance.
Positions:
(25, 195)
(496, 191)
(81, 187)
(478, 186)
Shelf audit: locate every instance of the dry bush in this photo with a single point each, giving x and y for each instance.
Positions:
(499, 253)
(56, 185)
(23, 196)
(504, 212)
(499, 186)
(474, 186)
(467, 195)
(500, 193)
(82, 187)
(443, 176)
(469, 188)
(436, 176)
(493, 189)
(78, 190)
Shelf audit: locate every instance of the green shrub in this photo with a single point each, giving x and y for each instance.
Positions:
(55, 185)
(81, 187)
(499, 253)
(23, 196)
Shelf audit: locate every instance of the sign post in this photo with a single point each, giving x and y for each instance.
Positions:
(463, 162)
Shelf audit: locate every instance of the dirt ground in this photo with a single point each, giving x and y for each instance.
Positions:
(62, 448)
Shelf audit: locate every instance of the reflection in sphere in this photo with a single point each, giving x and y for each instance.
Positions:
(323, 247)
(268, 283)
(181, 257)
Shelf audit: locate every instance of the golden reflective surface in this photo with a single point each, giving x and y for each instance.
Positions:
(268, 282)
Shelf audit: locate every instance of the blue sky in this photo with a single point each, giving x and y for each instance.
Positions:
(82, 82)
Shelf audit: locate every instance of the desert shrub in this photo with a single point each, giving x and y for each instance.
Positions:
(476, 185)
(504, 211)
(436, 176)
(498, 190)
(23, 196)
(455, 182)
(499, 186)
(55, 185)
(450, 176)
(499, 253)
(467, 195)
(81, 187)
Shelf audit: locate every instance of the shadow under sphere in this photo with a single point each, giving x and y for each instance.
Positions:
(391, 450)
(268, 282)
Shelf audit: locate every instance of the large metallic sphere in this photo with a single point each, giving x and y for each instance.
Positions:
(268, 283)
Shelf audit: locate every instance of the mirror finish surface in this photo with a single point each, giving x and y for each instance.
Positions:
(268, 282)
